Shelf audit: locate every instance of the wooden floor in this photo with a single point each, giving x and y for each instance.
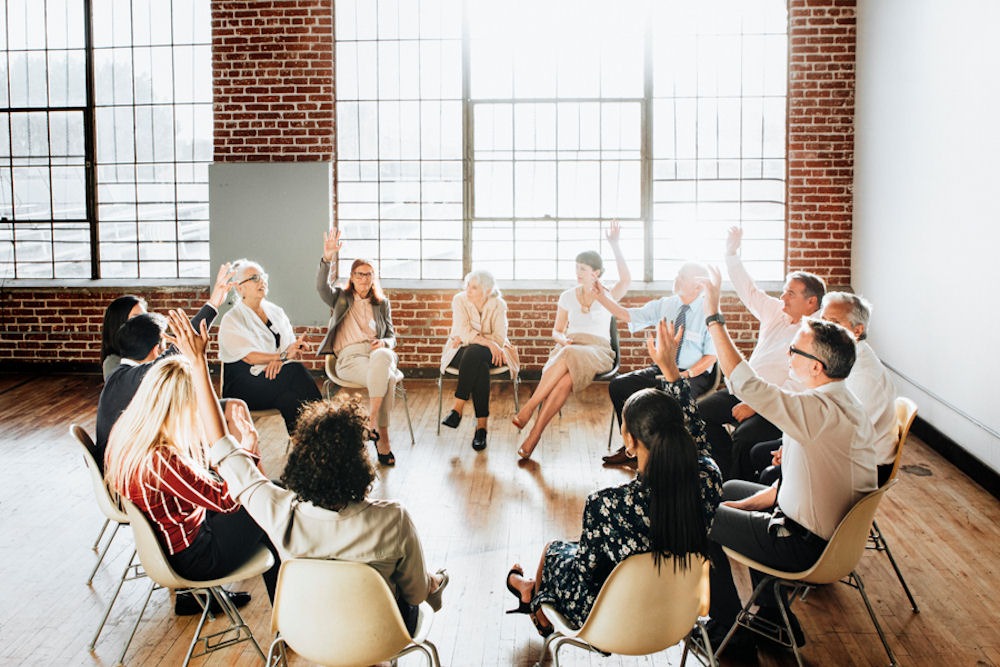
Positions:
(477, 513)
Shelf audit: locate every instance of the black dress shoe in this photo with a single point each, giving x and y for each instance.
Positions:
(620, 458)
(186, 604)
(452, 420)
(479, 440)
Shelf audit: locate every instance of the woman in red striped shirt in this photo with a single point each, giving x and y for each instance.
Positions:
(157, 458)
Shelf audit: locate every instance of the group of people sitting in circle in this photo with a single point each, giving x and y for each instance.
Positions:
(811, 417)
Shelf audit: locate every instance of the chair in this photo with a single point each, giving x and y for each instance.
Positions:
(333, 383)
(837, 562)
(906, 412)
(155, 563)
(640, 610)
(341, 614)
(108, 504)
(515, 380)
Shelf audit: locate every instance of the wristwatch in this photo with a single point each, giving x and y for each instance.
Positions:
(715, 318)
(283, 356)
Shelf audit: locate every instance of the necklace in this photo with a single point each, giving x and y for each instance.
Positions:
(584, 307)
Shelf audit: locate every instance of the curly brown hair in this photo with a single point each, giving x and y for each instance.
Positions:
(328, 465)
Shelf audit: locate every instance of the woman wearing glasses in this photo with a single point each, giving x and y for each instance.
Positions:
(258, 349)
(361, 337)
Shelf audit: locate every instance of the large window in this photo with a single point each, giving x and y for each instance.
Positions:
(508, 135)
(108, 180)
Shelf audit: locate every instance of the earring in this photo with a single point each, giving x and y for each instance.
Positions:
(630, 453)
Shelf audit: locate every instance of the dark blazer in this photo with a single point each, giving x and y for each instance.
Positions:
(121, 386)
(340, 302)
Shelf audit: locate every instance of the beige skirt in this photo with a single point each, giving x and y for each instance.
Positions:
(585, 358)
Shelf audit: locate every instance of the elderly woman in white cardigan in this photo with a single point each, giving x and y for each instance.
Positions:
(258, 349)
(478, 342)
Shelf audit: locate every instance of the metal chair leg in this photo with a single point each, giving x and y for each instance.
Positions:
(440, 400)
(855, 581)
(400, 389)
(876, 536)
(104, 551)
(100, 534)
(135, 568)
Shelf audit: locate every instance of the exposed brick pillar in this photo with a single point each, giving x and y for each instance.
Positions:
(822, 37)
(273, 80)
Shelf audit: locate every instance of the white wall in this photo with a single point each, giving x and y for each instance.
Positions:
(927, 206)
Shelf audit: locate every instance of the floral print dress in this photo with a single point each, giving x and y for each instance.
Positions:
(616, 526)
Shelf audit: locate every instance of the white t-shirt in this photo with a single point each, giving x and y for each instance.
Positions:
(597, 322)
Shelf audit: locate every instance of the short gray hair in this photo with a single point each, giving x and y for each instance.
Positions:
(860, 308)
(485, 280)
(833, 344)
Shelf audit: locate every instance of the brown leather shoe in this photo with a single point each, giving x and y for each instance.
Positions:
(620, 458)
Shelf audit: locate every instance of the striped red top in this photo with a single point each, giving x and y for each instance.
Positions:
(175, 497)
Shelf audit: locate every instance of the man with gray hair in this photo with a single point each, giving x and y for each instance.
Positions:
(695, 355)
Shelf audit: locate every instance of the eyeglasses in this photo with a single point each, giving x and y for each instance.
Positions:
(794, 350)
(363, 274)
(255, 278)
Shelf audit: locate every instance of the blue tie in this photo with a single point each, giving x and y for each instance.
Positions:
(679, 322)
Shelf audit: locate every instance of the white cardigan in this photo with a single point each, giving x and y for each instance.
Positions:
(242, 332)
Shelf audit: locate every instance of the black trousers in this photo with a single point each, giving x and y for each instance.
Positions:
(733, 453)
(627, 384)
(293, 387)
(224, 543)
(760, 461)
(747, 533)
(473, 363)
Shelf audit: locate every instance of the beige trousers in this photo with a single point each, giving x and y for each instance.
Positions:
(375, 369)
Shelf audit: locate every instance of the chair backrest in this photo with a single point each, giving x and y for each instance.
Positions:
(106, 500)
(151, 555)
(337, 613)
(642, 610)
(616, 349)
(906, 412)
(848, 543)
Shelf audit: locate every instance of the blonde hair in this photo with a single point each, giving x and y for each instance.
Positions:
(161, 419)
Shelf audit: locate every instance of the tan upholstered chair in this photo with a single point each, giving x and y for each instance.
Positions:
(342, 614)
(640, 610)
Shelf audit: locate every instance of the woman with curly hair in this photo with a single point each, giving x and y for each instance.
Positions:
(324, 510)
(667, 510)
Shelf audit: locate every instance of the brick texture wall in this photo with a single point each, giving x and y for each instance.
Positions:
(274, 82)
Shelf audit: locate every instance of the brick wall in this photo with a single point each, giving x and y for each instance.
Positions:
(273, 73)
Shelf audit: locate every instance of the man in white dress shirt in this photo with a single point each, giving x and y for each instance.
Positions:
(869, 381)
(779, 321)
(828, 461)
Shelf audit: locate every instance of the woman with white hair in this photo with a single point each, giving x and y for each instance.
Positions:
(478, 342)
(258, 349)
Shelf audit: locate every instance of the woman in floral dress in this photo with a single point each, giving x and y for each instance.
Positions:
(667, 509)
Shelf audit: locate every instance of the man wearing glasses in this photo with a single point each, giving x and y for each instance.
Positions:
(828, 462)
(779, 321)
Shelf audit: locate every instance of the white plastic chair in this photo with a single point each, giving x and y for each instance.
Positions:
(334, 383)
(155, 563)
(640, 610)
(342, 614)
(114, 514)
(837, 563)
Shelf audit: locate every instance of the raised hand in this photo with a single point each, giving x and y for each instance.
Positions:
(663, 348)
(191, 343)
(223, 283)
(245, 430)
(614, 232)
(331, 244)
(712, 286)
(733, 240)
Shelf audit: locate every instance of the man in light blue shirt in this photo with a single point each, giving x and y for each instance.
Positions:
(695, 356)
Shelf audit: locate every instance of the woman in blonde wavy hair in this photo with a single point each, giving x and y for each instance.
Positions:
(158, 459)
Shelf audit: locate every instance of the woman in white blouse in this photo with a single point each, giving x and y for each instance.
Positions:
(582, 333)
(478, 342)
(258, 348)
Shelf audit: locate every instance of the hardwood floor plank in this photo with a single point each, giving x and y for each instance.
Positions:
(477, 513)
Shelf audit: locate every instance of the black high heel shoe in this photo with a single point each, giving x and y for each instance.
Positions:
(522, 606)
(384, 459)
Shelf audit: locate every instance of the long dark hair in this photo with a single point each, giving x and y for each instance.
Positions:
(115, 315)
(677, 526)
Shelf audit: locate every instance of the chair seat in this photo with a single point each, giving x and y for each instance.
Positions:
(260, 562)
(494, 370)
